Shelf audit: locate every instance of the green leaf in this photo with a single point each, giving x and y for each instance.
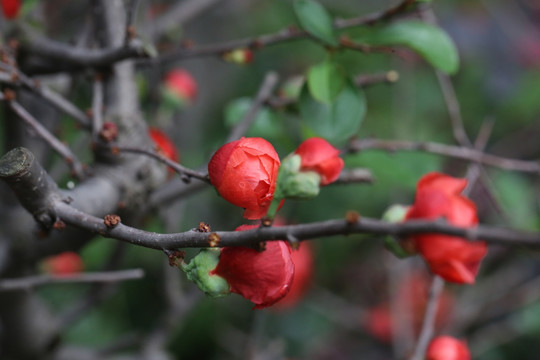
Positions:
(266, 123)
(429, 41)
(325, 81)
(338, 121)
(314, 19)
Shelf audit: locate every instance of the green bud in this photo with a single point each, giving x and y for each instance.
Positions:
(394, 214)
(295, 184)
(198, 271)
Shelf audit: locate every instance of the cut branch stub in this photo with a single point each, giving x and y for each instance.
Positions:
(34, 188)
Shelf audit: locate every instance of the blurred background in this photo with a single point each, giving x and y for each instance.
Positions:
(361, 302)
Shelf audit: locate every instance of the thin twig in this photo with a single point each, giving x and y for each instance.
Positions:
(388, 77)
(16, 77)
(355, 176)
(97, 106)
(130, 21)
(86, 277)
(264, 93)
(457, 152)
(190, 173)
(62, 149)
(178, 14)
(285, 35)
(426, 333)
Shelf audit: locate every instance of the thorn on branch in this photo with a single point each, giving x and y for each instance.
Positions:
(111, 220)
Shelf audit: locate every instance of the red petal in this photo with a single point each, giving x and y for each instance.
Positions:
(261, 277)
(445, 183)
(319, 156)
(303, 273)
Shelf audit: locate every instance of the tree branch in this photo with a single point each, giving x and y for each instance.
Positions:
(463, 153)
(30, 282)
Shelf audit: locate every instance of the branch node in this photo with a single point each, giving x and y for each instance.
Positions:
(213, 240)
(10, 95)
(203, 227)
(111, 220)
(175, 257)
(352, 217)
(59, 225)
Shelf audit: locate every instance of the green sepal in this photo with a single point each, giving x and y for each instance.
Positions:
(198, 271)
(295, 184)
(394, 214)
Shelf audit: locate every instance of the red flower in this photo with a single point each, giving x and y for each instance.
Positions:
(413, 293)
(181, 84)
(447, 348)
(10, 8)
(319, 156)
(244, 173)
(65, 263)
(453, 258)
(263, 277)
(164, 144)
(303, 261)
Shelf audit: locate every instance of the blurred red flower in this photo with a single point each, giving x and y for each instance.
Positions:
(65, 263)
(263, 277)
(447, 348)
(181, 84)
(244, 173)
(453, 258)
(319, 156)
(413, 294)
(10, 8)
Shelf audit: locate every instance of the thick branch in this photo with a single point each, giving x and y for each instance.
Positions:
(313, 230)
(33, 187)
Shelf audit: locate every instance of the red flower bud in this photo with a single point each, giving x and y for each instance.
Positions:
(10, 8)
(164, 144)
(303, 261)
(244, 173)
(65, 263)
(181, 85)
(319, 156)
(453, 258)
(263, 277)
(447, 348)
(239, 56)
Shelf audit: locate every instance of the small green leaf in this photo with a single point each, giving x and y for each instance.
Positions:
(266, 123)
(429, 41)
(325, 81)
(314, 19)
(337, 121)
